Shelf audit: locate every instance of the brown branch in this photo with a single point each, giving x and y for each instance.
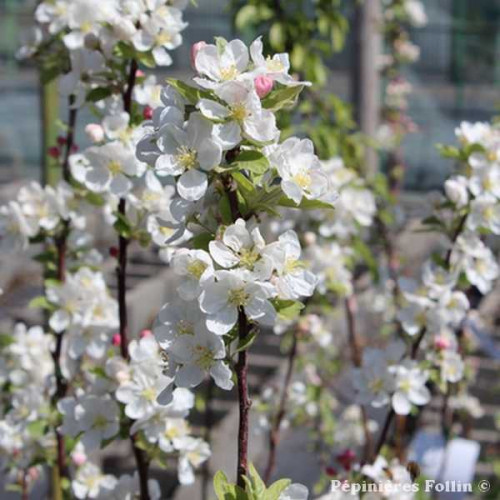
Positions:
(274, 435)
(121, 273)
(70, 139)
(241, 366)
(141, 458)
(241, 369)
(61, 250)
(383, 434)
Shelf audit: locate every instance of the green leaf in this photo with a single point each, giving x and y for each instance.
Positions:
(40, 302)
(245, 185)
(122, 225)
(143, 237)
(191, 94)
(37, 428)
(276, 489)
(245, 344)
(95, 199)
(287, 309)
(201, 241)
(448, 151)
(6, 340)
(225, 210)
(246, 15)
(282, 98)
(258, 486)
(48, 74)
(98, 94)
(252, 161)
(305, 204)
(51, 283)
(227, 491)
(146, 58)
(432, 221)
(220, 485)
(124, 51)
(45, 257)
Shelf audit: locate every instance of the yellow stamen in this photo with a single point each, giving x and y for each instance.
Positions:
(238, 112)
(185, 328)
(186, 158)
(229, 73)
(115, 167)
(302, 180)
(248, 257)
(238, 297)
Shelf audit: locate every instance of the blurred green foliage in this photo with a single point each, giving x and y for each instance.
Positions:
(311, 32)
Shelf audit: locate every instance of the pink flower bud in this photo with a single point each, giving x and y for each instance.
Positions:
(94, 132)
(346, 458)
(263, 85)
(117, 340)
(145, 333)
(139, 73)
(441, 343)
(54, 152)
(147, 113)
(330, 471)
(78, 458)
(196, 47)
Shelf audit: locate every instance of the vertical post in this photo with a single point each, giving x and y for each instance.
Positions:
(366, 75)
(49, 111)
(459, 14)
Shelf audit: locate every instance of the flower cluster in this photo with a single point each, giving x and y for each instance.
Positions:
(26, 369)
(90, 482)
(152, 28)
(433, 311)
(240, 274)
(38, 212)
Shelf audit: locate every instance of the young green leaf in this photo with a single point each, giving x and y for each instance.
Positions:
(282, 98)
(305, 204)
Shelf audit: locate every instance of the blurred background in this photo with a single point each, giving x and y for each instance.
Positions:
(455, 79)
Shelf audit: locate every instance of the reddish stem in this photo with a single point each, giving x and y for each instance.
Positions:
(61, 248)
(241, 369)
(121, 272)
(141, 458)
(241, 366)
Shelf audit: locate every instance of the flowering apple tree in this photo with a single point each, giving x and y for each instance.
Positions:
(261, 229)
